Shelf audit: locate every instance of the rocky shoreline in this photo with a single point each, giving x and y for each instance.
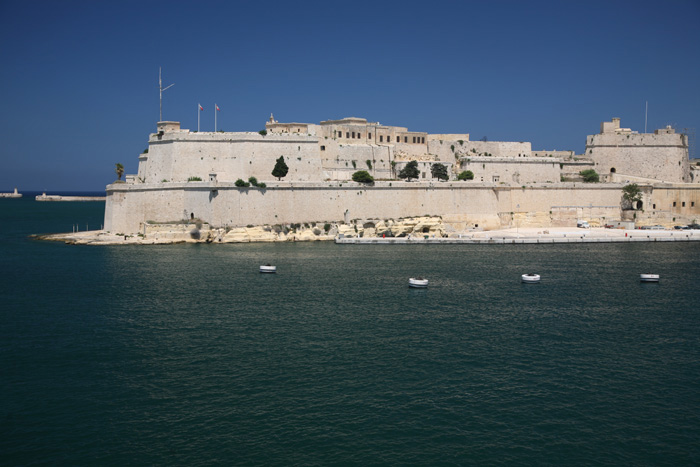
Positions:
(427, 229)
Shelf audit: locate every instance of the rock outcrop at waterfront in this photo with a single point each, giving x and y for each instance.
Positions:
(197, 232)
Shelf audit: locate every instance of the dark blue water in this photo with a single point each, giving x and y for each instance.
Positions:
(186, 355)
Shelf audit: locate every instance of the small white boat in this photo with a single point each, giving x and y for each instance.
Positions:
(268, 269)
(649, 278)
(417, 282)
(530, 278)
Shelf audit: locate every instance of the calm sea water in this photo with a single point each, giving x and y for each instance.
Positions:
(186, 355)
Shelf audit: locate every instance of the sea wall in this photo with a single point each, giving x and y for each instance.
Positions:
(462, 204)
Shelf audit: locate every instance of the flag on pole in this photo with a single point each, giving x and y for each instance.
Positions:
(200, 107)
(217, 108)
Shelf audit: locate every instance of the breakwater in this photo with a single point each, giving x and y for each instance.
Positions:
(45, 197)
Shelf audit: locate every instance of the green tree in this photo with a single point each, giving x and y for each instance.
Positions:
(439, 171)
(119, 169)
(362, 176)
(466, 175)
(280, 169)
(242, 183)
(263, 132)
(631, 194)
(590, 176)
(410, 171)
(253, 181)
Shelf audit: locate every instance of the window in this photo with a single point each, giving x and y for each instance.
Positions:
(674, 204)
(653, 206)
(323, 148)
(359, 135)
(353, 135)
(398, 139)
(683, 204)
(405, 139)
(347, 134)
(414, 140)
(496, 178)
(423, 142)
(381, 138)
(369, 135)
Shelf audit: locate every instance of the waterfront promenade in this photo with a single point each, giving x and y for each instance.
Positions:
(539, 235)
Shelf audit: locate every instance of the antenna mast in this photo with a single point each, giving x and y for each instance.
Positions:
(161, 89)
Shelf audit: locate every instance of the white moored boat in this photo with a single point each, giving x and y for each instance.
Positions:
(649, 278)
(418, 282)
(530, 278)
(268, 268)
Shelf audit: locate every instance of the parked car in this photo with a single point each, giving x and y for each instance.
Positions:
(681, 227)
(657, 227)
(694, 226)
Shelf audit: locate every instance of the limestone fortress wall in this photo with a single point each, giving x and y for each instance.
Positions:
(188, 175)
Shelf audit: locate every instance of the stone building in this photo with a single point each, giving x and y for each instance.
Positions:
(662, 155)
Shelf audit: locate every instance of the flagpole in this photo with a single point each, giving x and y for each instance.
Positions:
(199, 106)
(215, 112)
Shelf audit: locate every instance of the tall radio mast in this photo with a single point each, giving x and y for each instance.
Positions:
(161, 89)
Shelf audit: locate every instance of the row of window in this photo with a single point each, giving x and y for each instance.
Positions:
(416, 139)
(692, 204)
(358, 135)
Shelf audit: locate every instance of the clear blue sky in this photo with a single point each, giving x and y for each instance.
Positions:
(78, 80)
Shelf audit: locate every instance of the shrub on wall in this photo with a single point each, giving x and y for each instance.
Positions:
(242, 183)
(369, 164)
(590, 176)
(194, 179)
(466, 175)
(362, 176)
(263, 132)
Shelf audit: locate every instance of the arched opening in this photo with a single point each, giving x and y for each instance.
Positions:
(640, 205)
(191, 216)
(612, 170)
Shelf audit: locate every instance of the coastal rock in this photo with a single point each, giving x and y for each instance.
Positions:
(347, 230)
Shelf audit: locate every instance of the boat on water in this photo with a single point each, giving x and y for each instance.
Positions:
(417, 282)
(268, 269)
(649, 278)
(530, 278)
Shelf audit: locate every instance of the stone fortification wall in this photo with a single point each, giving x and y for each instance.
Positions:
(448, 137)
(654, 156)
(447, 150)
(465, 204)
(554, 153)
(339, 161)
(512, 171)
(679, 201)
(177, 156)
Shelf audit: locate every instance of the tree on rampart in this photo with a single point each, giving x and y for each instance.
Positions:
(630, 195)
(119, 170)
(280, 169)
(410, 171)
(439, 171)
